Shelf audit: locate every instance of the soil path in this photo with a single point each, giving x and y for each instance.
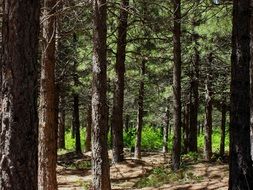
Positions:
(211, 176)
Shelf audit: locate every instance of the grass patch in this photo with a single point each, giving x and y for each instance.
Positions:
(162, 175)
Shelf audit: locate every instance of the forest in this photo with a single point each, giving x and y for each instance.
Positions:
(126, 94)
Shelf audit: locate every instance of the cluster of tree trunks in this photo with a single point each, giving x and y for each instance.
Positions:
(19, 152)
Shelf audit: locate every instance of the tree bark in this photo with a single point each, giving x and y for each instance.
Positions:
(118, 100)
(208, 111)
(176, 153)
(19, 134)
(139, 126)
(223, 128)
(193, 132)
(47, 123)
(240, 165)
(100, 161)
(76, 123)
(88, 129)
(61, 124)
(127, 120)
(186, 124)
(166, 131)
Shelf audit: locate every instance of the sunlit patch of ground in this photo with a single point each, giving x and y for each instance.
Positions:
(76, 174)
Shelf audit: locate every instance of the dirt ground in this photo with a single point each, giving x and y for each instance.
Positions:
(211, 176)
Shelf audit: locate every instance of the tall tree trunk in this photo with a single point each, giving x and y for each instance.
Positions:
(240, 166)
(193, 132)
(18, 147)
(76, 117)
(47, 123)
(118, 100)
(223, 128)
(251, 80)
(208, 111)
(76, 123)
(176, 153)
(137, 153)
(88, 129)
(100, 160)
(61, 124)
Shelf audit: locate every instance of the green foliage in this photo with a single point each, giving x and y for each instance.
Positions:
(215, 140)
(70, 142)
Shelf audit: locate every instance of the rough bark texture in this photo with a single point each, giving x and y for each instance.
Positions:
(194, 98)
(137, 153)
(100, 161)
(208, 111)
(223, 128)
(47, 123)
(118, 99)
(18, 148)
(61, 124)
(240, 166)
(176, 153)
(251, 80)
(88, 129)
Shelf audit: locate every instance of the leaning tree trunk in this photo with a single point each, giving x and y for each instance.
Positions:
(240, 166)
(100, 160)
(176, 153)
(223, 128)
(208, 111)
(137, 153)
(118, 99)
(18, 147)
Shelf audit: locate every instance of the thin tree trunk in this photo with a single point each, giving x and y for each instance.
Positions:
(127, 119)
(166, 131)
(223, 128)
(208, 111)
(176, 153)
(193, 132)
(88, 129)
(61, 124)
(186, 127)
(118, 100)
(47, 124)
(137, 153)
(240, 166)
(19, 135)
(100, 160)
(76, 123)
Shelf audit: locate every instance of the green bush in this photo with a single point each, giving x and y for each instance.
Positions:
(70, 142)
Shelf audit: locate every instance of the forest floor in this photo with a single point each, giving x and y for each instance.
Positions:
(151, 173)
